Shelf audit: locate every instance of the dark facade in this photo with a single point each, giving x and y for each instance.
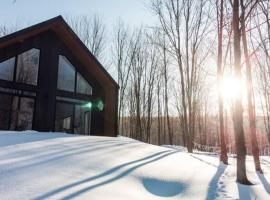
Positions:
(49, 81)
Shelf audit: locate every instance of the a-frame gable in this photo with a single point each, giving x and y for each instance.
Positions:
(67, 35)
(87, 79)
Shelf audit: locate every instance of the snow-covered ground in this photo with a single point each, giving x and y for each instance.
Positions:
(60, 166)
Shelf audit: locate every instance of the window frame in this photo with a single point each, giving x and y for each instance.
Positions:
(15, 66)
(17, 88)
(12, 95)
(68, 96)
(75, 80)
(75, 73)
(73, 104)
(83, 78)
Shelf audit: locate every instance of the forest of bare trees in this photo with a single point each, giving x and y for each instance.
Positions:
(169, 93)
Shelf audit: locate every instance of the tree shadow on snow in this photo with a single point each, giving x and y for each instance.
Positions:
(265, 183)
(110, 176)
(61, 153)
(216, 185)
(9, 138)
(244, 192)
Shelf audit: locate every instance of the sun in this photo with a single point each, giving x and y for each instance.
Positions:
(231, 88)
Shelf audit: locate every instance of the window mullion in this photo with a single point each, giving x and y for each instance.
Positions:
(15, 68)
(75, 85)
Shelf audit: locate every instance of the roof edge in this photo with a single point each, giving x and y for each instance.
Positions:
(88, 51)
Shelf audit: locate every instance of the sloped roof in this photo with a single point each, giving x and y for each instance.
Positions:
(67, 35)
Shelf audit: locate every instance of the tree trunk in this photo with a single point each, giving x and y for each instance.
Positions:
(238, 107)
(159, 110)
(251, 106)
(223, 153)
(166, 95)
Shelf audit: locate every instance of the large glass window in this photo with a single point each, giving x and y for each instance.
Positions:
(72, 117)
(64, 117)
(17, 106)
(71, 114)
(5, 111)
(66, 75)
(7, 69)
(82, 120)
(83, 87)
(22, 113)
(27, 67)
(67, 81)
(16, 113)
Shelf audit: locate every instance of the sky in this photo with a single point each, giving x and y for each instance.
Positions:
(19, 14)
(29, 12)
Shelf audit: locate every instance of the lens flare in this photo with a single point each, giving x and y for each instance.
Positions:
(100, 105)
(88, 105)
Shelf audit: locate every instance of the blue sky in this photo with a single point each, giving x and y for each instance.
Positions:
(28, 12)
(24, 13)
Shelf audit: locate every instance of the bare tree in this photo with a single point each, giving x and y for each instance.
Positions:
(185, 26)
(138, 76)
(238, 107)
(246, 8)
(159, 41)
(5, 30)
(261, 47)
(123, 58)
(220, 17)
(92, 33)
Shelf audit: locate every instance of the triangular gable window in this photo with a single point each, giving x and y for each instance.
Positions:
(66, 75)
(66, 78)
(83, 87)
(7, 69)
(27, 67)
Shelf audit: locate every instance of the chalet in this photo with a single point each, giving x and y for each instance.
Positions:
(50, 81)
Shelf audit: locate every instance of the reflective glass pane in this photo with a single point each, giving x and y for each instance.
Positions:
(63, 117)
(82, 120)
(7, 69)
(83, 87)
(5, 111)
(27, 67)
(66, 75)
(22, 113)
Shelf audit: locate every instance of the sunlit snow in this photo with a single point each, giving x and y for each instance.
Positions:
(60, 166)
